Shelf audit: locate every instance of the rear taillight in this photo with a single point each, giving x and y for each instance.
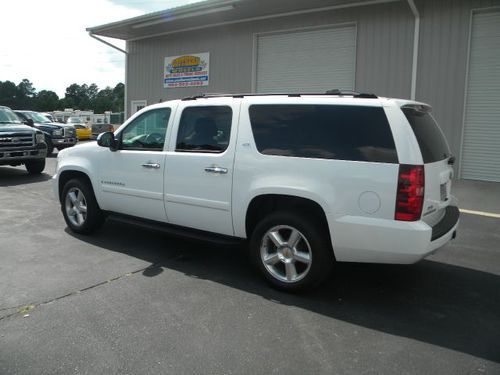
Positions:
(410, 194)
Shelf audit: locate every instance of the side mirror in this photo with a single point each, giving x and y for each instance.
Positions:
(29, 122)
(107, 139)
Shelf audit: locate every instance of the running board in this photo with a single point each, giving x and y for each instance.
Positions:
(176, 230)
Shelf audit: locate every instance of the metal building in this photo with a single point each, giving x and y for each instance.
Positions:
(443, 52)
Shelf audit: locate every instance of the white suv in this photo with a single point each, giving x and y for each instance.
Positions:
(307, 179)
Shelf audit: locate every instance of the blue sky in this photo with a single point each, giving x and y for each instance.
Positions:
(46, 42)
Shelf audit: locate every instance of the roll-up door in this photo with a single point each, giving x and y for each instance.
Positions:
(306, 61)
(481, 144)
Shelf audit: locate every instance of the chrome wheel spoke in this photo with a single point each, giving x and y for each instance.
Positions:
(79, 218)
(302, 257)
(291, 271)
(272, 259)
(294, 238)
(72, 197)
(83, 209)
(276, 238)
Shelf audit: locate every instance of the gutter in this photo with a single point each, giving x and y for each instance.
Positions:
(416, 38)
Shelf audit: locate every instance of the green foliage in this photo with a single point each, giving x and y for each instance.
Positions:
(83, 97)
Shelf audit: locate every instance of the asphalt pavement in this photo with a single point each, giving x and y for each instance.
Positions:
(132, 301)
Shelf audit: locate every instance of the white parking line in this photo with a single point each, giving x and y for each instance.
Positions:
(480, 213)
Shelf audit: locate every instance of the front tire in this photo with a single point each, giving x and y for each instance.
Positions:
(79, 207)
(293, 252)
(50, 146)
(35, 166)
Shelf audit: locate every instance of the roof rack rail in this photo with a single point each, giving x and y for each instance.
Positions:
(335, 92)
(351, 93)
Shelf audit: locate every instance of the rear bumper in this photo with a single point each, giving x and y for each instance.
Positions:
(372, 240)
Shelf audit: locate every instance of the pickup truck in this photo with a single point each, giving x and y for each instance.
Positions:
(58, 136)
(21, 144)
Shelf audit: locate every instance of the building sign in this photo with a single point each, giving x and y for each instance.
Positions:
(186, 71)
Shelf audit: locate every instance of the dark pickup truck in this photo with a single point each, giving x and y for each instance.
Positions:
(21, 144)
(57, 135)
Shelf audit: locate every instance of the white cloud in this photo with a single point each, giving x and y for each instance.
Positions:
(46, 42)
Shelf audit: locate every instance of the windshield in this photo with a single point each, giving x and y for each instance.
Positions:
(8, 117)
(36, 117)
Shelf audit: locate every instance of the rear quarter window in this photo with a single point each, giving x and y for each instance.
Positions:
(323, 131)
(429, 136)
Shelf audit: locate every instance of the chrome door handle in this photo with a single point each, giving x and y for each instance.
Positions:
(151, 165)
(219, 170)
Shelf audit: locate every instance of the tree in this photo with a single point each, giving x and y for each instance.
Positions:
(8, 94)
(46, 101)
(25, 95)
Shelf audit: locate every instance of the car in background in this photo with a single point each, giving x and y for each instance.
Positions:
(58, 136)
(49, 116)
(83, 131)
(21, 144)
(101, 128)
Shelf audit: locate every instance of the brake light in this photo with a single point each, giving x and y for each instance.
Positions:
(410, 194)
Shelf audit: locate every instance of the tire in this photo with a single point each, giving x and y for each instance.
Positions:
(35, 166)
(50, 146)
(310, 254)
(79, 207)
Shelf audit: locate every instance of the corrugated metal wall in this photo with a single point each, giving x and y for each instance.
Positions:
(444, 43)
(383, 61)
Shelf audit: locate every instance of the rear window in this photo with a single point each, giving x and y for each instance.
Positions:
(323, 131)
(431, 140)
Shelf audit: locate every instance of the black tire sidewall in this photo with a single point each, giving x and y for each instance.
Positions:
(94, 214)
(35, 166)
(50, 146)
(322, 253)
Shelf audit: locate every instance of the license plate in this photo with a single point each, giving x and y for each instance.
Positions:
(444, 195)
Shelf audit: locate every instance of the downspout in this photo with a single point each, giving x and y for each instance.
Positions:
(416, 38)
(126, 60)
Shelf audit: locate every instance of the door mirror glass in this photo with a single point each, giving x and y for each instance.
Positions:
(29, 122)
(107, 139)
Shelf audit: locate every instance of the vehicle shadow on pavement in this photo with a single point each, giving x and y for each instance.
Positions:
(14, 176)
(437, 303)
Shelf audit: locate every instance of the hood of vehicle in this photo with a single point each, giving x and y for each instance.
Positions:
(81, 149)
(47, 126)
(8, 128)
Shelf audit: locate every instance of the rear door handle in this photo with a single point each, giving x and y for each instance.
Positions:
(151, 165)
(215, 169)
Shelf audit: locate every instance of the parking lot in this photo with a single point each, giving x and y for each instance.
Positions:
(132, 301)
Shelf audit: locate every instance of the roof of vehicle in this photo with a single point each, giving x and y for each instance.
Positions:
(347, 97)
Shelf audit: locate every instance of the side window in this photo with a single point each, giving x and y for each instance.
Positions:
(147, 132)
(323, 131)
(204, 129)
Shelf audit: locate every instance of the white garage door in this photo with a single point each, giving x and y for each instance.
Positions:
(307, 61)
(481, 145)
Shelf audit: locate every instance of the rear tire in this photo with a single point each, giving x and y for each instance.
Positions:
(292, 251)
(79, 207)
(35, 166)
